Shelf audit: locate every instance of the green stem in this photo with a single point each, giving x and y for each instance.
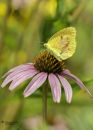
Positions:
(45, 103)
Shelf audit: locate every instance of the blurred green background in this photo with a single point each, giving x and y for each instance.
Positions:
(25, 25)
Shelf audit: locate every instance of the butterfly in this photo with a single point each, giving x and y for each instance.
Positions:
(62, 44)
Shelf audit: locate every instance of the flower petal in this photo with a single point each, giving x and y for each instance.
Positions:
(66, 71)
(67, 88)
(76, 79)
(21, 71)
(55, 87)
(36, 82)
(19, 68)
(21, 79)
(13, 76)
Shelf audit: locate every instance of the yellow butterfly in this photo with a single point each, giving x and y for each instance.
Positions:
(62, 44)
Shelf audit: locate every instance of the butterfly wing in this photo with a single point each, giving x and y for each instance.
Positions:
(62, 44)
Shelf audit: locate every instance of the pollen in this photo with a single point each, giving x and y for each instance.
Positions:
(45, 62)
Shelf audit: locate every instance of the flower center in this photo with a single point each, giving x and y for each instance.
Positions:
(45, 62)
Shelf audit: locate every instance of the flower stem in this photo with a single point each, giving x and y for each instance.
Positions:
(45, 103)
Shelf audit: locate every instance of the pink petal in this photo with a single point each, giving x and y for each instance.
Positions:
(76, 79)
(20, 68)
(55, 87)
(66, 71)
(36, 82)
(14, 75)
(20, 71)
(67, 88)
(18, 80)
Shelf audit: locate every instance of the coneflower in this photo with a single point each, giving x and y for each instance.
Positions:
(44, 68)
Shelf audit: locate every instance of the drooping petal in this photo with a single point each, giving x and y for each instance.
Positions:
(17, 81)
(67, 88)
(22, 66)
(19, 68)
(36, 82)
(21, 71)
(13, 76)
(76, 79)
(55, 87)
(66, 71)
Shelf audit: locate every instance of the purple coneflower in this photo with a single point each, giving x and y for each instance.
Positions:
(45, 67)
